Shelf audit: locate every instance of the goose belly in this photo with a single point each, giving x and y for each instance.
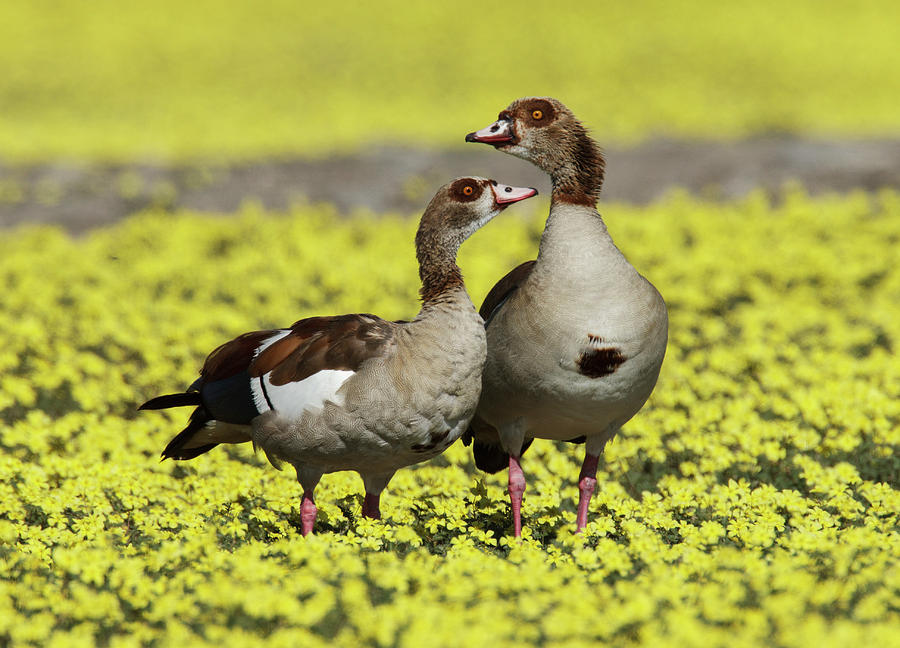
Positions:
(380, 437)
(386, 417)
(568, 376)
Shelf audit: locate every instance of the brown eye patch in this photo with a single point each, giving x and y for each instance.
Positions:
(539, 112)
(465, 190)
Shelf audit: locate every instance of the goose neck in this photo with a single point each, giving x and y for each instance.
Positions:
(440, 275)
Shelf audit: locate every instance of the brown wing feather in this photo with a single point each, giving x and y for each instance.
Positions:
(234, 356)
(275, 354)
(341, 342)
(503, 289)
(307, 359)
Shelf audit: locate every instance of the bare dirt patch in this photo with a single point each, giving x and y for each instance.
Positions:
(80, 196)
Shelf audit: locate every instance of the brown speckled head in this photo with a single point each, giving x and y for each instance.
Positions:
(546, 133)
(462, 206)
(457, 210)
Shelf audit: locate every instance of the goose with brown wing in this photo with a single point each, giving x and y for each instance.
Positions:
(356, 392)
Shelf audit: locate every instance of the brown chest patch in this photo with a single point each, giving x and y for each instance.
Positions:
(596, 363)
(436, 438)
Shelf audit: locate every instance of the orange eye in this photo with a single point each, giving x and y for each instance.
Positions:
(537, 114)
(468, 191)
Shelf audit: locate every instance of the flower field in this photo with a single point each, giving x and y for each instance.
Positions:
(101, 79)
(753, 502)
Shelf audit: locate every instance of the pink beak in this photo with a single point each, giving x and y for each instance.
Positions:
(500, 132)
(506, 195)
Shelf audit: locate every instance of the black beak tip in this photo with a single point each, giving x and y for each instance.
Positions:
(471, 137)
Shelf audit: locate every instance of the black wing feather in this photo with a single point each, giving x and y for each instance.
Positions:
(172, 400)
(174, 450)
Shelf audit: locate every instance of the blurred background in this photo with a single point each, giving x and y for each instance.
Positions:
(108, 107)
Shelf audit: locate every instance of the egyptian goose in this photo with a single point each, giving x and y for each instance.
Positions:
(576, 338)
(356, 392)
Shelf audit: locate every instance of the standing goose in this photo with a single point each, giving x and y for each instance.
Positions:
(577, 337)
(356, 392)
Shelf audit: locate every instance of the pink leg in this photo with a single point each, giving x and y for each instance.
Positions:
(370, 507)
(586, 483)
(307, 513)
(516, 489)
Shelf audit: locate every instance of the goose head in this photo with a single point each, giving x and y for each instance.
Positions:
(547, 134)
(457, 210)
(460, 207)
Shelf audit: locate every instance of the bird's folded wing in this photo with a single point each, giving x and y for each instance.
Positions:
(503, 289)
(342, 342)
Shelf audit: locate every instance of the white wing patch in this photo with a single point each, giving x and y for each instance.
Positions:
(294, 398)
(259, 398)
